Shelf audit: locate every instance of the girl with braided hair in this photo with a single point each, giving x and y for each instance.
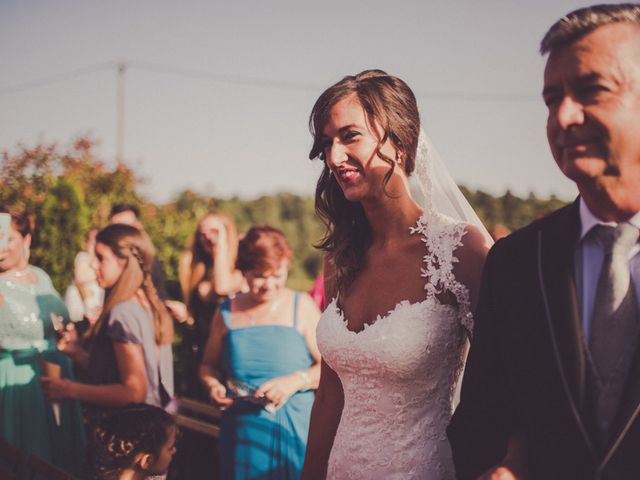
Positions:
(134, 443)
(127, 351)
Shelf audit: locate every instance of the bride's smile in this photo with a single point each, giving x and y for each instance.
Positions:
(399, 291)
(354, 153)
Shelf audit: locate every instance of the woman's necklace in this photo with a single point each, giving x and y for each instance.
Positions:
(254, 317)
(19, 273)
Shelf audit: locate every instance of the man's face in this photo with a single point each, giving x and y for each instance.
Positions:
(592, 91)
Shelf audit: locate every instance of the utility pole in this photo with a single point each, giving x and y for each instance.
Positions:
(122, 67)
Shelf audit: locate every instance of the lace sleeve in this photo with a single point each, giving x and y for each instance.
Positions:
(442, 236)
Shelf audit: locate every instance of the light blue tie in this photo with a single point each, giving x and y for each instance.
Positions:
(615, 326)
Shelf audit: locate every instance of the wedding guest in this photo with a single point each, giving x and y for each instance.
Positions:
(84, 296)
(30, 312)
(134, 443)
(207, 275)
(317, 291)
(127, 351)
(129, 214)
(261, 364)
(552, 385)
(401, 281)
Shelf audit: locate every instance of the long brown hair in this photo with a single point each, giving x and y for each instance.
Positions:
(389, 102)
(135, 247)
(201, 262)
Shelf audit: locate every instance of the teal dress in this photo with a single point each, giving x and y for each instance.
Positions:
(26, 336)
(254, 443)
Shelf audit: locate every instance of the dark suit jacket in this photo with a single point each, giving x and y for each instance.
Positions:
(525, 378)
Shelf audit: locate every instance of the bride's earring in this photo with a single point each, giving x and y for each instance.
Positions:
(398, 158)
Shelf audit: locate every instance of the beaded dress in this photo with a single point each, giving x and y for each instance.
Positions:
(26, 337)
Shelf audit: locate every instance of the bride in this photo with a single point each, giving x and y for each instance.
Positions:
(403, 258)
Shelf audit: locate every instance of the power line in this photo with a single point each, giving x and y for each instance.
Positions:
(45, 81)
(285, 85)
(224, 78)
(257, 82)
(480, 97)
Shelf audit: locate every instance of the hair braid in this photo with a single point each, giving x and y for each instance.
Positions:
(135, 247)
(162, 323)
(123, 434)
(137, 255)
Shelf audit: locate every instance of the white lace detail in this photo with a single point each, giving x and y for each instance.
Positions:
(399, 373)
(442, 237)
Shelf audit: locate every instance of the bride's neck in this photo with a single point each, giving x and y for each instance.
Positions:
(391, 219)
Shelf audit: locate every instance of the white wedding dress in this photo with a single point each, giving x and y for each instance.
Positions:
(399, 373)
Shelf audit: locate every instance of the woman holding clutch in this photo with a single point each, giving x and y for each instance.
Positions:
(261, 364)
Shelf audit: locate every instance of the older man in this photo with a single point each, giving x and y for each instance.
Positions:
(552, 384)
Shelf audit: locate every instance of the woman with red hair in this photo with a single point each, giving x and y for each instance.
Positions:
(261, 364)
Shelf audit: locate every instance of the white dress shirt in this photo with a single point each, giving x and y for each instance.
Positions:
(590, 256)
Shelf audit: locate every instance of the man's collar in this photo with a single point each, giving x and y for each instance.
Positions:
(588, 220)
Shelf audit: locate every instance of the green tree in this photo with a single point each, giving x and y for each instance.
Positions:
(64, 192)
(68, 190)
(64, 219)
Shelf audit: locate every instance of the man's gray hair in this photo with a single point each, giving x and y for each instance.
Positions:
(584, 20)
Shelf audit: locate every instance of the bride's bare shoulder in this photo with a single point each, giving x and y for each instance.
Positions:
(471, 255)
(474, 242)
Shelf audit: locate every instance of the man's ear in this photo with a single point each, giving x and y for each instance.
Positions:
(144, 461)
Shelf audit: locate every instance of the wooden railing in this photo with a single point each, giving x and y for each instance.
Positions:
(198, 416)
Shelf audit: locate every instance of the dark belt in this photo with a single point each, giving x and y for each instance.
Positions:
(24, 352)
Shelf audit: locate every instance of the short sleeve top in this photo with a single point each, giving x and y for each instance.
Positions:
(130, 322)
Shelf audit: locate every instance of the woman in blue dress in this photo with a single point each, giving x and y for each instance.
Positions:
(261, 365)
(30, 308)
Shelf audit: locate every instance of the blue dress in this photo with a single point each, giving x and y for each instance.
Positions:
(26, 337)
(256, 444)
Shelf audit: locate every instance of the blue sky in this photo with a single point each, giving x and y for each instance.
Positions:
(218, 93)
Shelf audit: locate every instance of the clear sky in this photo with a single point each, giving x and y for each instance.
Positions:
(218, 93)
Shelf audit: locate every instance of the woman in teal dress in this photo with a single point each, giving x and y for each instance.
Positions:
(29, 305)
(261, 365)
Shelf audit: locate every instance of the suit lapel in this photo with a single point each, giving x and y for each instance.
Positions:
(557, 241)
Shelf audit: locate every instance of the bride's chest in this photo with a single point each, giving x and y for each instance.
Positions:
(412, 337)
(386, 278)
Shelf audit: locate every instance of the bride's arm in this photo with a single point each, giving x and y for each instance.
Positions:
(325, 417)
(327, 407)
(471, 256)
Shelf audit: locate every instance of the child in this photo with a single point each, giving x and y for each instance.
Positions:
(133, 443)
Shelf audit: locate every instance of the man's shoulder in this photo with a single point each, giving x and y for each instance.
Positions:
(559, 220)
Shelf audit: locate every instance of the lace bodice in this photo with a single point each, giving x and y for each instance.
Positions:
(399, 373)
(25, 310)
